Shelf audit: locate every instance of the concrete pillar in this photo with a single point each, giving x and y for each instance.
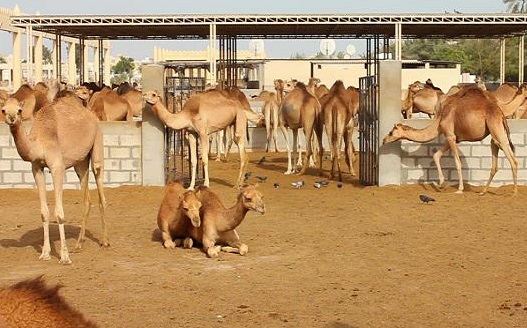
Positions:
(54, 59)
(107, 66)
(72, 68)
(96, 64)
(389, 113)
(86, 63)
(38, 58)
(153, 130)
(17, 60)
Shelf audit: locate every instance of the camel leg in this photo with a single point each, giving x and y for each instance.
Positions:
(453, 148)
(203, 139)
(437, 160)
(97, 165)
(38, 174)
(349, 149)
(82, 172)
(192, 142)
(296, 150)
(338, 145)
(274, 129)
(288, 147)
(239, 138)
(232, 239)
(308, 131)
(57, 173)
(494, 167)
(229, 132)
(319, 131)
(267, 117)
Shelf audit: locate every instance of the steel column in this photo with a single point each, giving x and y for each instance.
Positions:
(521, 59)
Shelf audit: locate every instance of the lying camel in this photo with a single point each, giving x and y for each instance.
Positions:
(178, 211)
(469, 115)
(218, 223)
(30, 303)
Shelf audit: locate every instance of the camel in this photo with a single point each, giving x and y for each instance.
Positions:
(321, 90)
(109, 106)
(279, 88)
(133, 97)
(469, 115)
(64, 134)
(203, 114)
(312, 85)
(420, 98)
(178, 211)
(34, 99)
(30, 303)
(300, 109)
(270, 112)
(219, 223)
(339, 109)
(510, 98)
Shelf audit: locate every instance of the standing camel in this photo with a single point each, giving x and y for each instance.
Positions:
(469, 115)
(421, 98)
(339, 107)
(270, 112)
(64, 135)
(301, 109)
(203, 114)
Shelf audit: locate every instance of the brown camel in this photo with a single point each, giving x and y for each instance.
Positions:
(421, 99)
(321, 90)
(339, 109)
(64, 134)
(312, 85)
(178, 211)
(219, 223)
(33, 99)
(510, 103)
(270, 112)
(469, 115)
(109, 106)
(300, 109)
(133, 97)
(279, 88)
(203, 114)
(30, 303)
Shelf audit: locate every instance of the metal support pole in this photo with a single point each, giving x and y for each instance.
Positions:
(81, 60)
(398, 41)
(502, 60)
(58, 57)
(29, 54)
(212, 55)
(521, 59)
(101, 62)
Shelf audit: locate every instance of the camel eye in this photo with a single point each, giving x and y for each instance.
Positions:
(20, 111)
(3, 111)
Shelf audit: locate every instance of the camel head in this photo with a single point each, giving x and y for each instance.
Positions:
(289, 85)
(416, 86)
(83, 92)
(191, 206)
(151, 96)
(252, 199)
(12, 109)
(395, 134)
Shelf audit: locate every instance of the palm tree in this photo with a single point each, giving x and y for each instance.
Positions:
(516, 6)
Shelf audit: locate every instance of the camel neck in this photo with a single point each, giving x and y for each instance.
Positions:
(511, 107)
(172, 120)
(426, 134)
(235, 215)
(22, 143)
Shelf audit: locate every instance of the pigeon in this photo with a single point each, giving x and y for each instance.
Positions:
(339, 184)
(261, 160)
(261, 178)
(298, 184)
(276, 185)
(323, 183)
(426, 199)
(247, 176)
(317, 185)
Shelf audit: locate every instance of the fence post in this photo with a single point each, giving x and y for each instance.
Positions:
(389, 113)
(153, 130)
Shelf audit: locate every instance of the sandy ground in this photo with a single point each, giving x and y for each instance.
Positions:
(331, 257)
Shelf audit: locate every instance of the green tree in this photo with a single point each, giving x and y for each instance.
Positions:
(124, 65)
(2, 60)
(516, 6)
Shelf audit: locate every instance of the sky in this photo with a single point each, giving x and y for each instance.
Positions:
(273, 48)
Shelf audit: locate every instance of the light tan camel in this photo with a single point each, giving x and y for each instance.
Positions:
(300, 109)
(133, 97)
(30, 303)
(279, 89)
(312, 85)
(33, 99)
(218, 223)
(340, 107)
(203, 114)
(510, 103)
(64, 134)
(109, 106)
(469, 115)
(420, 99)
(178, 211)
(270, 112)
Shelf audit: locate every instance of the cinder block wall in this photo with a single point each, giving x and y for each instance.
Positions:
(417, 164)
(122, 164)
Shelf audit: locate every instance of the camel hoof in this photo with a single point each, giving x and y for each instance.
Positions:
(440, 187)
(188, 242)
(169, 244)
(289, 172)
(244, 249)
(44, 257)
(459, 192)
(65, 260)
(213, 251)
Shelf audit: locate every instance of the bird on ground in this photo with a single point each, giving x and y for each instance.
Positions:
(323, 183)
(339, 184)
(247, 176)
(261, 178)
(426, 199)
(261, 160)
(317, 185)
(276, 185)
(298, 184)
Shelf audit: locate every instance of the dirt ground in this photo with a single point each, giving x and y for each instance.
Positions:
(330, 257)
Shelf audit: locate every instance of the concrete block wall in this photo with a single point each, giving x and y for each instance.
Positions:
(417, 164)
(122, 159)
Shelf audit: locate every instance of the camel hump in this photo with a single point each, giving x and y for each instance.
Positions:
(337, 87)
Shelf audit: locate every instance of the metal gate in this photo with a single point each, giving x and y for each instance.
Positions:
(368, 131)
(177, 151)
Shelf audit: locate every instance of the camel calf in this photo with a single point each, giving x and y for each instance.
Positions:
(177, 205)
(218, 223)
(30, 303)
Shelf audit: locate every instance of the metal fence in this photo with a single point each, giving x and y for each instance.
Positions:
(369, 131)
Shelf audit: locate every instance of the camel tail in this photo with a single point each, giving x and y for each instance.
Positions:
(507, 129)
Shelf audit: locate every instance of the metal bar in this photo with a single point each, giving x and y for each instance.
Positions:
(82, 46)
(101, 62)
(521, 60)
(58, 57)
